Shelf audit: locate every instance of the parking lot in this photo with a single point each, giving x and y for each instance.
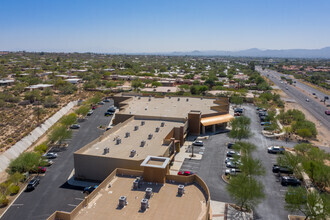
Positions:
(53, 193)
(212, 166)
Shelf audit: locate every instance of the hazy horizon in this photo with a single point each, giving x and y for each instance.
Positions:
(148, 26)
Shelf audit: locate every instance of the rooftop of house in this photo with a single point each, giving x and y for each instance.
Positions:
(126, 137)
(165, 203)
(175, 107)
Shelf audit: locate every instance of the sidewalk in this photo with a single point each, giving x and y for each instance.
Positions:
(218, 210)
(179, 158)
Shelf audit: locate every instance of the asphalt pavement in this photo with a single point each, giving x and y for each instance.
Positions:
(53, 193)
(314, 106)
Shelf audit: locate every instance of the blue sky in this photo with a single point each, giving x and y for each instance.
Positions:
(163, 25)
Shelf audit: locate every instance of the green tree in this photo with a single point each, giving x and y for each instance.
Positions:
(311, 204)
(236, 99)
(290, 160)
(59, 133)
(245, 148)
(82, 110)
(246, 191)
(16, 178)
(251, 167)
(69, 119)
(136, 84)
(24, 163)
(240, 128)
(305, 133)
(156, 83)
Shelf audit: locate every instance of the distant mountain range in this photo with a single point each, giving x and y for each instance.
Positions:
(255, 52)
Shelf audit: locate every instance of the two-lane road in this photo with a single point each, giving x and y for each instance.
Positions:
(314, 106)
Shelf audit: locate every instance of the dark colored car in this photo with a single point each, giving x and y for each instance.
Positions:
(75, 126)
(276, 149)
(239, 110)
(90, 189)
(111, 109)
(185, 173)
(265, 123)
(106, 100)
(32, 184)
(108, 113)
(101, 103)
(327, 112)
(290, 181)
(230, 145)
(232, 153)
(280, 169)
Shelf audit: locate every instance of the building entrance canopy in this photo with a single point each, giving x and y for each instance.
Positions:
(219, 119)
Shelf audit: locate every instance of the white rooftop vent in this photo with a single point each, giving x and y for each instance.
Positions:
(157, 129)
(144, 204)
(136, 128)
(133, 152)
(106, 150)
(148, 193)
(142, 123)
(150, 136)
(142, 143)
(122, 201)
(127, 134)
(180, 190)
(118, 141)
(162, 124)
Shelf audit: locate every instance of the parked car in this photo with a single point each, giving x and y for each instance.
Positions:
(232, 164)
(89, 189)
(106, 100)
(50, 155)
(237, 114)
(75, 126)
(101, 103)
(232, 171)
(42, 169)
(32, 184)
(108, 113)
(282, 169)
(327, 112)
(307, 100)
(239, 110)
(198, 143)
(232, 159)
(290, 181)
(265, 123)
(185, 173)
(232, 153)
(93, 107)
(314, 93)
(262, 118)
(48, 162)
(111, 109)
(230, 145)
(276, 149)
(90, 112)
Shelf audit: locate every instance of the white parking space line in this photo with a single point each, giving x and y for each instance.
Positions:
(17, 204)
(79, 199)
(283, 190)
(72, 205)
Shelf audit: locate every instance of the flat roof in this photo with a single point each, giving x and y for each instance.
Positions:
(164, 203)
(153, 146)
(176, 107)
(157, 162)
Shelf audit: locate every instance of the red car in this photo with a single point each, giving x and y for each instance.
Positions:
(327, 112)
(185, 173)
(93, 107)
(41, 169)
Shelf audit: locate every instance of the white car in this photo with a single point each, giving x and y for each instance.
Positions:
(198, 143)
(232, 171)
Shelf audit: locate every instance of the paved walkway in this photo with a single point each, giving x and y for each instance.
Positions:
(218, 210)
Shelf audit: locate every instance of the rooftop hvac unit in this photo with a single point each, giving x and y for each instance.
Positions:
(122, 201)
(106, 150)
(142, 143)
(127, 134)
(187, 100)
(136, 128)
(137, 183)
(142, 123)
(133, 152)
(118, 141)
(162, 124)
(180, 190)
(139, 97)
(144, 204)
(150, 136)
(157, 129)
(178, 99)
(148, 193)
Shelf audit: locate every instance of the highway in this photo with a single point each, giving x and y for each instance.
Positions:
(313, 105)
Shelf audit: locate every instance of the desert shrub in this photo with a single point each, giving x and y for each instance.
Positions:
(42, 148)
(13, 189)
